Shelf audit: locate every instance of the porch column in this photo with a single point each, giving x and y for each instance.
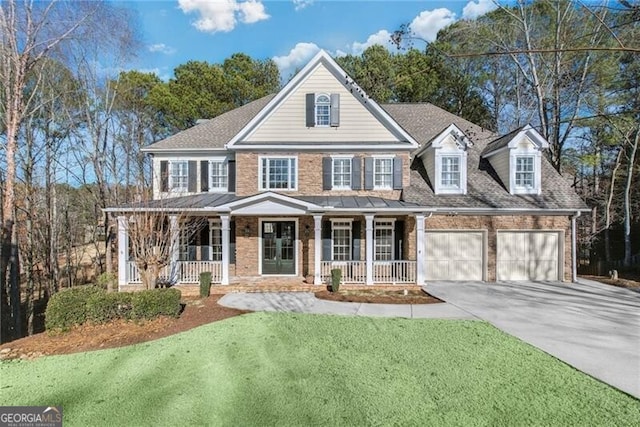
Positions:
(123, 251)
(369, 250)
(174, 248)
(317, 251)
(420, 255)
(226, 242)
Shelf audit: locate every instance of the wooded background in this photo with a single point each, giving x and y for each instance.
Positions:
(72, 128)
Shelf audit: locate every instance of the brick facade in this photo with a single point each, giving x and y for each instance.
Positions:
(309, 176)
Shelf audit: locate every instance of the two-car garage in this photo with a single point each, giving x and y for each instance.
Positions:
(519, 255)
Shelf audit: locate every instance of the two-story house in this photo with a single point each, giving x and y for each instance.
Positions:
(320, 176)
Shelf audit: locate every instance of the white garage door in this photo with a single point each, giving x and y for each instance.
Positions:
(454, 255)
(528, 255)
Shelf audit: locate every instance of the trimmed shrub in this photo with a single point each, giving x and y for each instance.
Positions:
(70, 307)
(336, 278)
(205, 283)
(107, 307)
(155, 302)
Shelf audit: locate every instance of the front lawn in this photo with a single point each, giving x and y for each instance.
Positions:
(292, 369)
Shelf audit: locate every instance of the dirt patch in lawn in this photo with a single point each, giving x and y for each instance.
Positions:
(374, 296)
(118, 333)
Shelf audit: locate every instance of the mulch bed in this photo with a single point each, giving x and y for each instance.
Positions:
(379, 296)
(620, 282)
(118, 333)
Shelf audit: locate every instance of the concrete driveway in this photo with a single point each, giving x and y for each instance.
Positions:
(591, 326)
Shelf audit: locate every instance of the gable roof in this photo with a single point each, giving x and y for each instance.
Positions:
(323, 59)
(214, 133)
(484, 188)
(507, 140)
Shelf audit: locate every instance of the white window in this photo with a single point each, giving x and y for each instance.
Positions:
(341, 173)
(383, 240)
(278, 173)
(323, 110)
(341, 240)
(450, 172)
(218, 177)
(525, 172)
(382, 173)
(179, 175)
(215, 241)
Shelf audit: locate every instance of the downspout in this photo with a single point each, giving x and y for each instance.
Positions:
(574, 246)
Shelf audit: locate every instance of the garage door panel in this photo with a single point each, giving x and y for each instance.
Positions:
(454, 255)
(527, 255)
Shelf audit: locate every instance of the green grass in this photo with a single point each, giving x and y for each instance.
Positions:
(290, 369)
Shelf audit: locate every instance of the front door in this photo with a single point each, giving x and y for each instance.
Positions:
(278, 247)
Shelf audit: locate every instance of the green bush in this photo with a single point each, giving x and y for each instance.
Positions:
(76, 306)
(107, 281)
(205, 283)
(155, 302)
(336, 278)
(70, 307)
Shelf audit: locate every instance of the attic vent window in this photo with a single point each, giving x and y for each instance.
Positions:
(323, 108)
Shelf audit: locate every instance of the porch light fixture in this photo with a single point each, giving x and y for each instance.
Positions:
(306, 230)
(247, 230)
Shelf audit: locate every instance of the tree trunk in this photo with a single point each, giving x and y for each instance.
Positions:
(627, 200)
(607, 210)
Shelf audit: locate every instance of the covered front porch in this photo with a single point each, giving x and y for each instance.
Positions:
(270, 237)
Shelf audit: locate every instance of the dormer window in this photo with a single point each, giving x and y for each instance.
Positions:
(450, 172)
(525, 172)
(323, 109)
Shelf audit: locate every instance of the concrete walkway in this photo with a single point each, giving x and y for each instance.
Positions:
(306, 302)
(591, 326)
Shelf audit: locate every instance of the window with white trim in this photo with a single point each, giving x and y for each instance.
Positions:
(215, 240)
(218, 175)
(383, 240)
(341, 173)
(278, 173)
(525, 172)
(450, 171)
(179, 175)
(383, 173)
(341, 240)
(323, 110)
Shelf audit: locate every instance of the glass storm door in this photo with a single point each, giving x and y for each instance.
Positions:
(278, 247)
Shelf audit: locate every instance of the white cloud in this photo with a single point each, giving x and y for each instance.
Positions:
(297, 57)
(162, 48)
(382, 37)
(473, 10)
(429, 22)
(301, 4)
(223, 15)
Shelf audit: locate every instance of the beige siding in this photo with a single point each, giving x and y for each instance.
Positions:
(500, 163)
(287, 123)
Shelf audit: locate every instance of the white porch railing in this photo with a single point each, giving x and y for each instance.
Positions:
(355, 272)
(186, 272)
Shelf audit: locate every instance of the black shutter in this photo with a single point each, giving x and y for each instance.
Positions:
(355, 240)
(397, 173)
(334, 114)
(193, 176)
(231, 171)
(311, 109)
(164, 176)
(232, 242)
(204, 242)
(204, 175)
(368, 173)
(326, 173)
(356, 173)
(326, 241)
(399, 240)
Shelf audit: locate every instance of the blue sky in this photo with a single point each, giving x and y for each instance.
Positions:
(288, 31)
